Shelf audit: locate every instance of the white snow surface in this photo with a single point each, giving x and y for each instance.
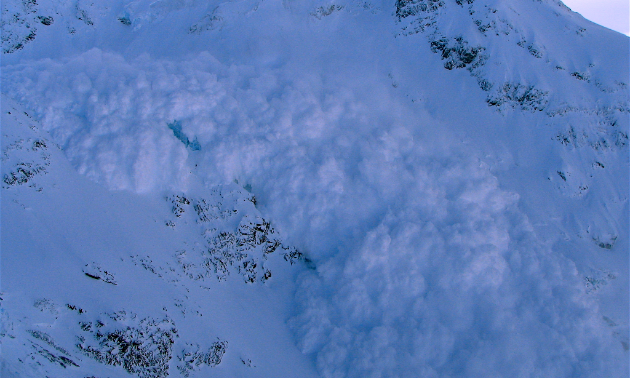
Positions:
(451, 228)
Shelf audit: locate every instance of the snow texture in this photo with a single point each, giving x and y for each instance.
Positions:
(450, 178)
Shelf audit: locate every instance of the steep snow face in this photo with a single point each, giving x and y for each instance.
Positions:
(456, 172)
(97, 283)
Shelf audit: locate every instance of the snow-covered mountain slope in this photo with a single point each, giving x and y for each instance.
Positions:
(98, 283)
(449, 178)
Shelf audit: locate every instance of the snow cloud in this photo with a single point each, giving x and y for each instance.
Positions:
(424, 266)
(459, 287)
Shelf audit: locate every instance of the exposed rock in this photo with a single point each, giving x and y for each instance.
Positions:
(192, 357)
(143, 348)
(518, 96)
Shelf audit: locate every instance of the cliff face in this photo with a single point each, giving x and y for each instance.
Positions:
(283, 188)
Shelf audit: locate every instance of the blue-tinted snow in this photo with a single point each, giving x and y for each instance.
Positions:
(448, 238)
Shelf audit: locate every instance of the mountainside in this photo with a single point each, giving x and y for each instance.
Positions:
(292, 188)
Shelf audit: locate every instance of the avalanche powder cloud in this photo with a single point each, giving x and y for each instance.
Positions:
(417, 159)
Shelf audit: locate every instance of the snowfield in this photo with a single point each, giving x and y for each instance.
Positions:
(433, 188)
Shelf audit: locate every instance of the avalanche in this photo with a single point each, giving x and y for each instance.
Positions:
(313, 188)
